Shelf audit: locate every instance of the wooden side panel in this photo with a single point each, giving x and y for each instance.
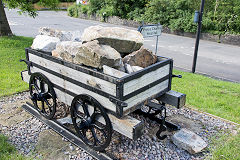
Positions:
(146, 79)
(144, 95)
(128, 126)
(75, 89)
(98, 83)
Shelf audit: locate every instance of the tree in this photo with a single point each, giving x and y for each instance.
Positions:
(25, 6)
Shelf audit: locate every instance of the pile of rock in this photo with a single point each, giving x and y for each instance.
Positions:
(116, 48)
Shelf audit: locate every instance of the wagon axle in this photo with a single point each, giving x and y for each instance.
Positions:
(157, 112)
(40, 96)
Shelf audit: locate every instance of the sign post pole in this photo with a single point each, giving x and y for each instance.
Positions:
(156, 45)
(198, 36)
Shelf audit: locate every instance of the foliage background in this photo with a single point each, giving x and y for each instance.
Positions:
(220, 16)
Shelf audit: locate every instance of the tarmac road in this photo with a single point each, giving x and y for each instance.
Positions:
(216, 60)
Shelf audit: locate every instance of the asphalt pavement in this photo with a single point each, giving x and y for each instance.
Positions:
(214, 59)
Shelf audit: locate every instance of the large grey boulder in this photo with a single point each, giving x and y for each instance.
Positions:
(189, 141)
(90, 54)
(142, 57)
(96, 55)
(122, 39)
(62, 35)
(67, 50)
(45, 43)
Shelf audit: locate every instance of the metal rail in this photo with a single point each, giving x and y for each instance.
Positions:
(66, 133)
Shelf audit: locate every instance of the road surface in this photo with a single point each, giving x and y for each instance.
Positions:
(216, 60)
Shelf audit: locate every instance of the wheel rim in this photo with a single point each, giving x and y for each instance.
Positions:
(85, 112)
(43, 95)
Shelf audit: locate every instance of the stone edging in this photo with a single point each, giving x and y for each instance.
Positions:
(226, 39)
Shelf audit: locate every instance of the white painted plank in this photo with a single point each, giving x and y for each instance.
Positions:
(75, 89)
(146, 79)
(144, 95)
(74, 74)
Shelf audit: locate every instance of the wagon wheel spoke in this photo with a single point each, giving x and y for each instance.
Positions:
(94, 115)
(43, 108)
(76, 112)
(49, 105)
(81, 125)
(101, 129)
(36, 87)
(96, 140)
(85, 109)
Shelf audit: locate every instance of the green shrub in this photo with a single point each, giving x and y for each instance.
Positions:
(220, 16)
(84, 9)
(73, 10)
(136, 14)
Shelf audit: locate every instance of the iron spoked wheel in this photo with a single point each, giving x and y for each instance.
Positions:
(86, 112)
(43, 95)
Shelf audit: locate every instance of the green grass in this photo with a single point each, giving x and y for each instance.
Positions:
(225, 147)
(8, 151)
(217, 97)
(11, 50)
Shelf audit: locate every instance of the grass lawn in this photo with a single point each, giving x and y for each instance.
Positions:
(11, 50)
(225, 147)
(206, 94)
(217, 97)
(7, 151)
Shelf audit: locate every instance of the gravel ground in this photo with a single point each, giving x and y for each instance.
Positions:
(25, 135)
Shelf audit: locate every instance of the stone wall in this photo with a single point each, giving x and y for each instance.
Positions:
(227, 38)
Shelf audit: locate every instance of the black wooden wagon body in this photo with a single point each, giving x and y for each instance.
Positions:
(118, 96)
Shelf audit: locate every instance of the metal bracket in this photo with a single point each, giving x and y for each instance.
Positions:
(26, 61)
(118, 102)
(119, 106)
(178, 76)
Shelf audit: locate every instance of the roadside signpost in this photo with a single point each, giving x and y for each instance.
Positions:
(151, 31)
(197, 19)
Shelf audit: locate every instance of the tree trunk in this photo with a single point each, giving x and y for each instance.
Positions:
(4, 26)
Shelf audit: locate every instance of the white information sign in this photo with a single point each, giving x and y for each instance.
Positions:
(151, 30)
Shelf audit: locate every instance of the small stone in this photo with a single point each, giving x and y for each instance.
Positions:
(66, 153)
(113, 72)
(3, 128)
(65, 120)
(189, 141)
(234, 132)
(71, 147)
